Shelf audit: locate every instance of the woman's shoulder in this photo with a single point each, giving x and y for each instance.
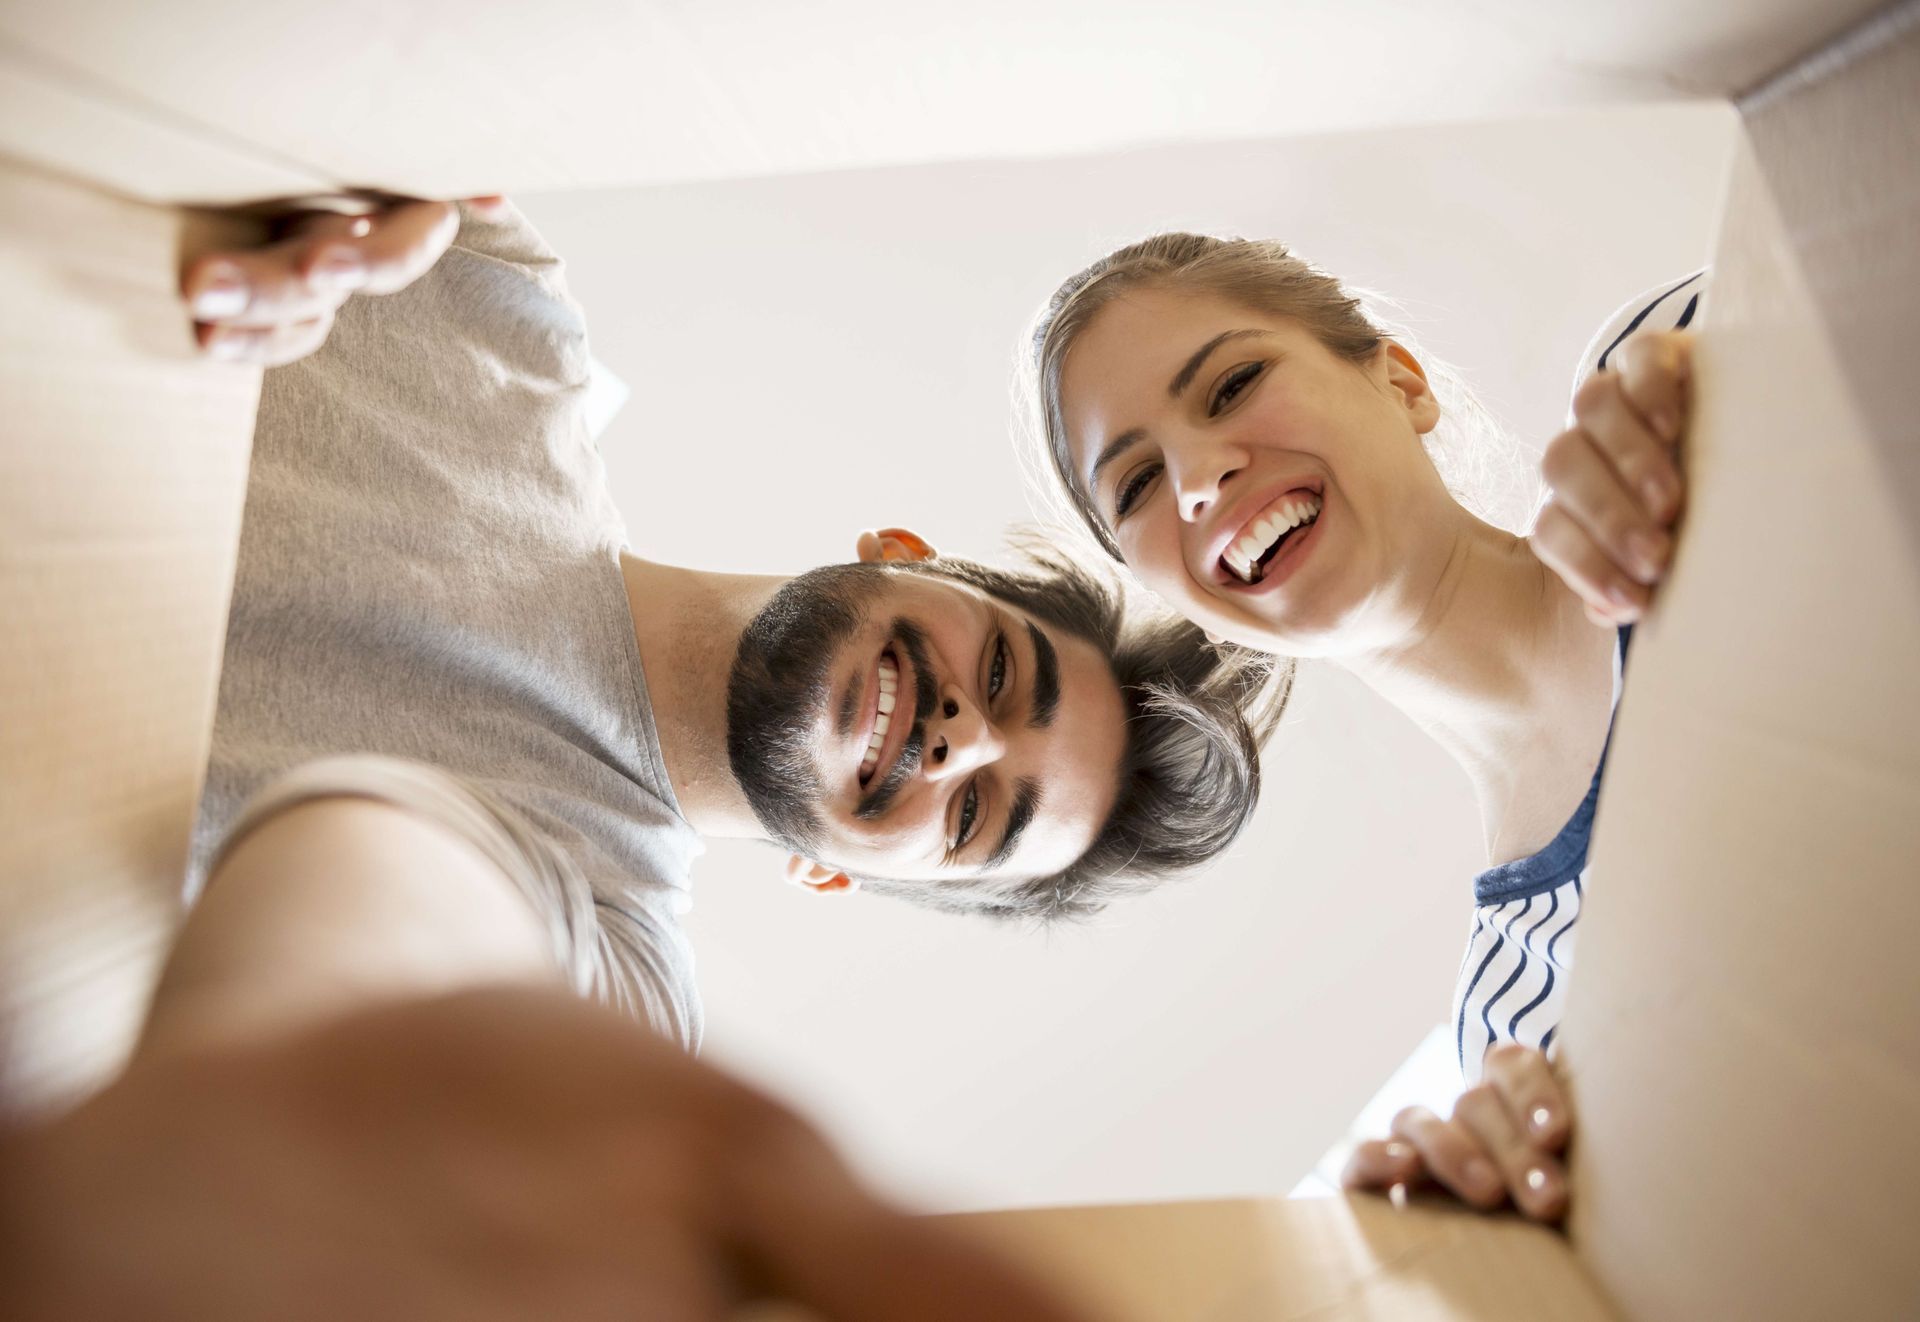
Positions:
(1672, 305)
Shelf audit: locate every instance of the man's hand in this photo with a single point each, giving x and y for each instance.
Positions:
(1616, 490)
(488, 1157)
(1504, 1141)
(273, 302)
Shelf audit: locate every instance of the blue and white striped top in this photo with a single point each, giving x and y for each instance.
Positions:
(1513, 979)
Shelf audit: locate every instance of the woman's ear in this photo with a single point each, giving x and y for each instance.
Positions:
(804, 872)
(1405, 375)
(892, 544)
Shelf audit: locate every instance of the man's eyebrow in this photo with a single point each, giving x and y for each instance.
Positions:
(1184, 377)
(1026, 802)
(1044, 699)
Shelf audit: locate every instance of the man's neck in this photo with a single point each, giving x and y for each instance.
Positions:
(687, 624)
(1500, 664)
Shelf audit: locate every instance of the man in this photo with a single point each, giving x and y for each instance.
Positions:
(431, 572)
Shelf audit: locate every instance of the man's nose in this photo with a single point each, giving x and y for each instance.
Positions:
(1198, 466)
(960, 739)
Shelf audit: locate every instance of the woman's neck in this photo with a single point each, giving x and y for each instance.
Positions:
(1499, 663)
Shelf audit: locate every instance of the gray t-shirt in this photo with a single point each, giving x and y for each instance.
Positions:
(429, 570)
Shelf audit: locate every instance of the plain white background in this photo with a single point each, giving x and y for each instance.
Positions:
(813, 355)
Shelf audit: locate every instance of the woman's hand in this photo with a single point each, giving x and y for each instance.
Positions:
(1503, 1142)
(1616, 490)
(272, 303)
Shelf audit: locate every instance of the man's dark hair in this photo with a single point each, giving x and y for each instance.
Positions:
(1196, 715)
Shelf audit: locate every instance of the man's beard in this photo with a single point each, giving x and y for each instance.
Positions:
(780, 688)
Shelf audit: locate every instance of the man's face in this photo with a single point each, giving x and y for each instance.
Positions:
(1000, 756)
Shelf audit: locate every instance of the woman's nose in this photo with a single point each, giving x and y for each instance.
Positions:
(1199, 467)
(961, 740)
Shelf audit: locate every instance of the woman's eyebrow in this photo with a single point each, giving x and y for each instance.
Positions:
(1184, 377)
(1116, 447)
(1120, 444)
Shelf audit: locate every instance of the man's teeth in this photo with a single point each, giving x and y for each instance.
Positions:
(889, 690)
(1243, 557)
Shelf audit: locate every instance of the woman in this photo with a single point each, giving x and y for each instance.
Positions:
(1229, 422)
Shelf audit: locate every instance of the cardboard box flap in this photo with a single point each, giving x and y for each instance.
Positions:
(121, 488)
(1744, 1029)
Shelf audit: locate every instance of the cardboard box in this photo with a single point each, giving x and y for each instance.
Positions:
(1744, 1035)
(121, 485)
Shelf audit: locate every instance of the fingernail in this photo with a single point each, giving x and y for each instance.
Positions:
(220, 293)
(1541, 1184)
(227, 348)
(1399, 1151)
(1542, 1119)
(1666, 425)
(1481, 1174)
(1647, 553)
(1657, 491)
(338, 268)
(1621, 598)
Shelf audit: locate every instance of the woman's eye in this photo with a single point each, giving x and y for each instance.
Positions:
(1134, 487)
(997, 672)
(969, 812)
(1230, 389)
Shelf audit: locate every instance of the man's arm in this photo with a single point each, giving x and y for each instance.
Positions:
(333, 904)
(499, 1156)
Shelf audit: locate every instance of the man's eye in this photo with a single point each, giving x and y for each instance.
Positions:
(969, 812)
(997, 673)
(1236, 383)
(1133, 488)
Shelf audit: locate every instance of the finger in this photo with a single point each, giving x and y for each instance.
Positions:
(1588, 486)
(1452, 1157)
(1533, 1178)
(1641, 460)
(1526, 1082)
(1381, 1163)
(398, 246)
(493, 207)
(1566, 548)
(1656, 372)
(261, 288)
(264, 346)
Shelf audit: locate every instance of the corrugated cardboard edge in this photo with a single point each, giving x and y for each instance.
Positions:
(1288, 1260)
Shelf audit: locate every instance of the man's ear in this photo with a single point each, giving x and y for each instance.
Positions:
(1405, 375)
(814, 877)
(892, 544)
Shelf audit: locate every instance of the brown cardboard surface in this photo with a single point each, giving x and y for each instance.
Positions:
(432, 99)
(121, 483)
(1744, 1031)
(1837, 138)
(74, 125)
(448, 99)
(1277, 1260)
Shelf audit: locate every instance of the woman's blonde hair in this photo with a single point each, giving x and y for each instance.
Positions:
(1475, 458)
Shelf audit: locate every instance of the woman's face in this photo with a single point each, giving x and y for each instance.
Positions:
(1270, 490)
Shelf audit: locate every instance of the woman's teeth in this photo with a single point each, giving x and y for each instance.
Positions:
(889, 688)
(1247, 557)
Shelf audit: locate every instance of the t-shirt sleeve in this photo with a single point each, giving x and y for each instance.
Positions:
(1674, 305)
